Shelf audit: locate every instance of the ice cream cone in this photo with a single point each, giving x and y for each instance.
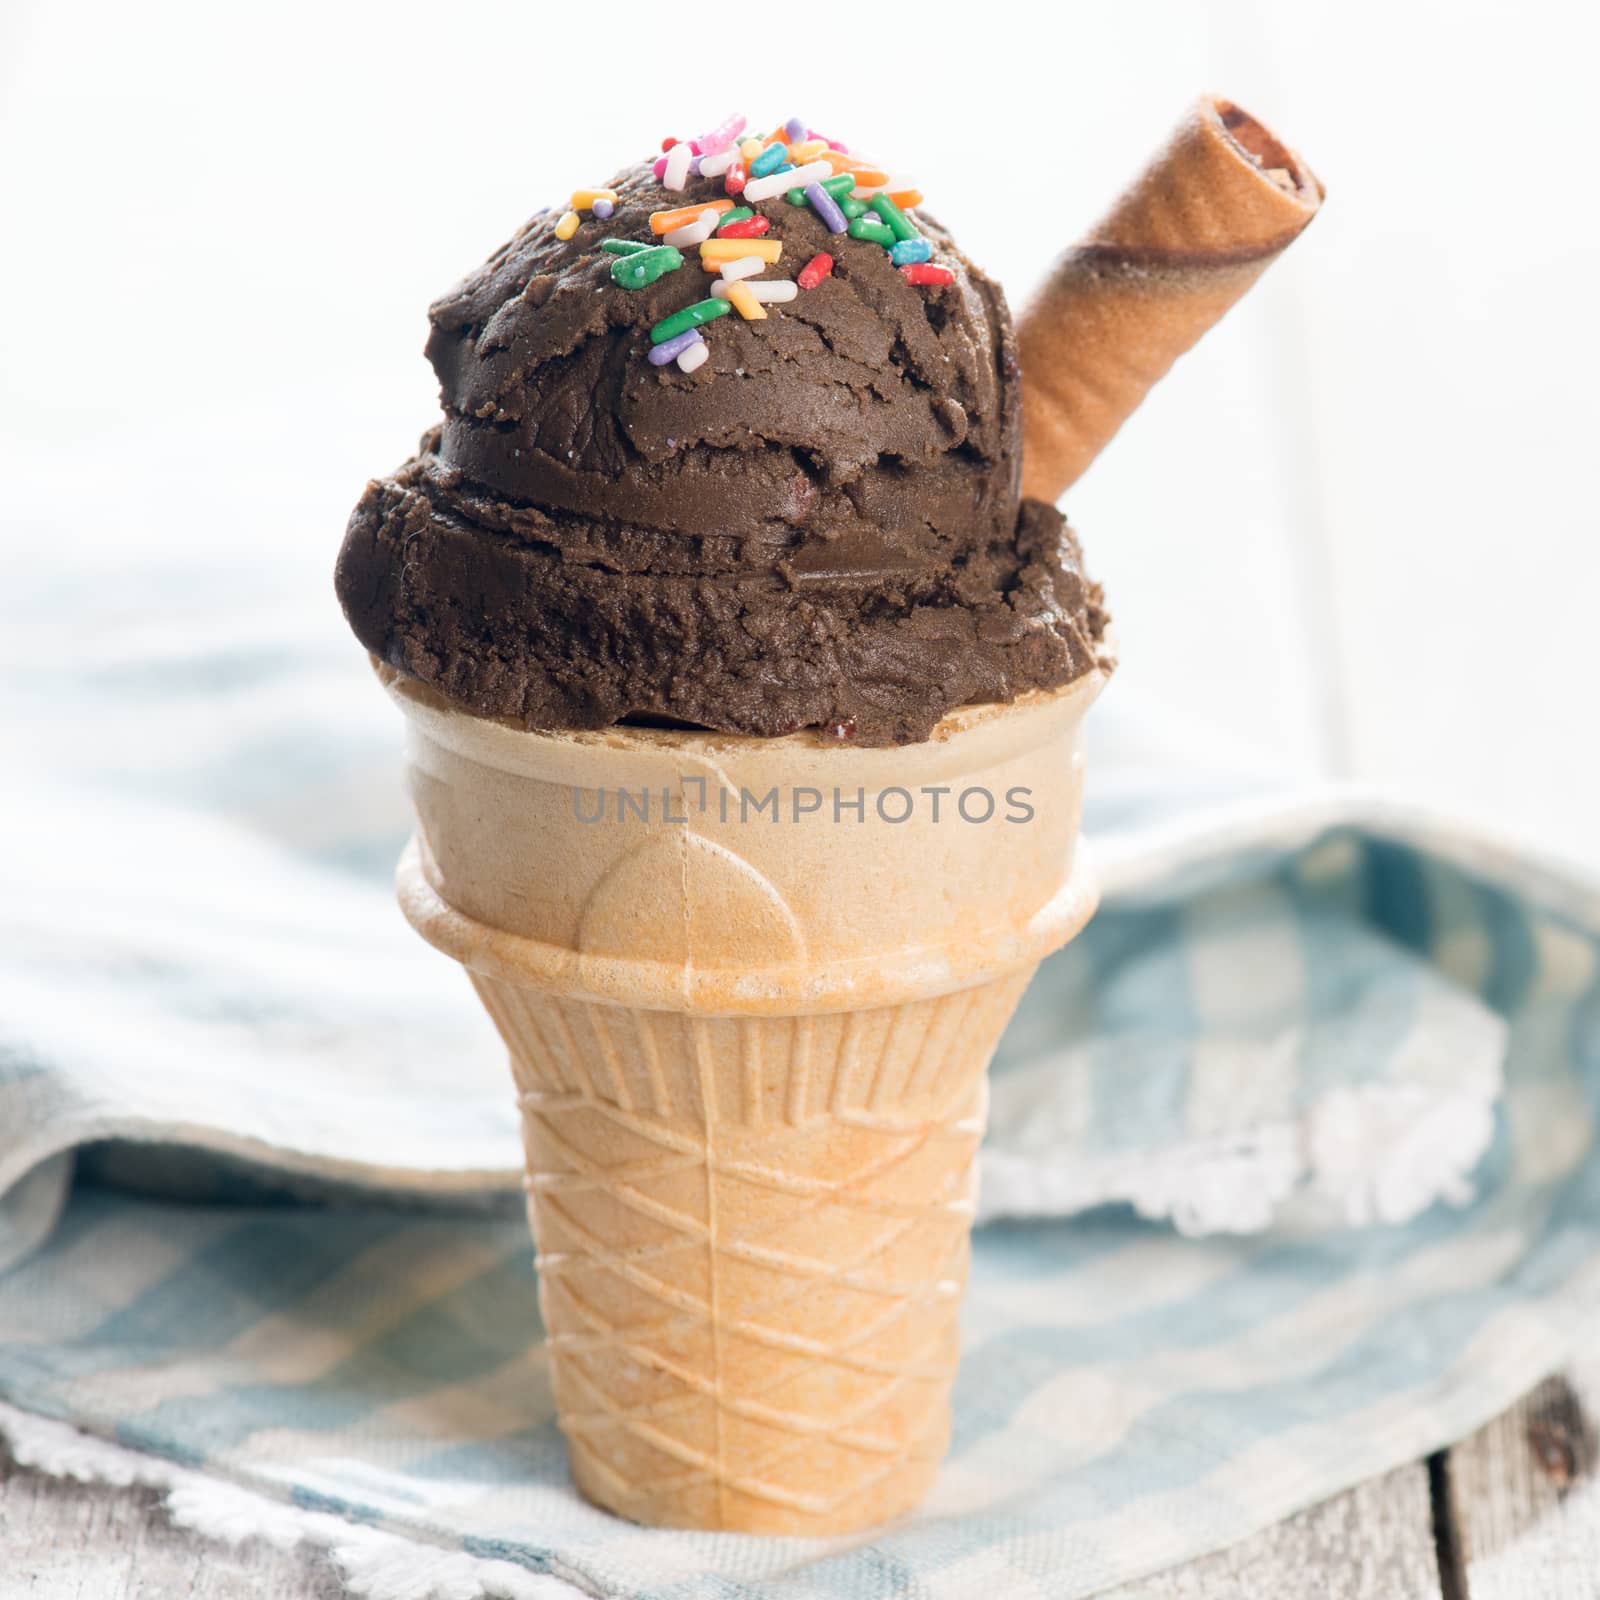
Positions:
(749, 1045)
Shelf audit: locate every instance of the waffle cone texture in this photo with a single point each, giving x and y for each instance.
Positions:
(750, 1060)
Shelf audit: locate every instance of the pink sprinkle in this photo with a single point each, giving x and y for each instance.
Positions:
(720, 136)
(659, 168)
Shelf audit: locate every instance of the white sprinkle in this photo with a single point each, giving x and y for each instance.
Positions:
(695, 356)
(765, 289)
(715, 165)
(778, 182)
(676, 175)
(774, 289)
(696, 232)
(744, 267)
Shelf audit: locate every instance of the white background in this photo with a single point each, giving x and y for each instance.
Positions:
(1354, 534)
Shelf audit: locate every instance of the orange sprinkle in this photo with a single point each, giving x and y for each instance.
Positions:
(666, 221)
(745, 303)
(720, 250)
(840, 162)
(906, 198)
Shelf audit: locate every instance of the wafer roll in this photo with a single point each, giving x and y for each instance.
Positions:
(1198, 227)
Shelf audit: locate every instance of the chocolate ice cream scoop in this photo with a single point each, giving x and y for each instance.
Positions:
(818, 527)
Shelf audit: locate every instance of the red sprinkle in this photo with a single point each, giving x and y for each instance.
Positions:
(667, 144)
(735, 181)
(746, 228)
(927, 272)
(815, 270)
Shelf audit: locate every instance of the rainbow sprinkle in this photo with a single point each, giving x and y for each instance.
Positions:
(740, 298)
(815, 270)
(850, 195)
(906, 252)
(701, 311)
(875, 232)
(671, 349)
(826, 207)
(770, 159)
(643, 267)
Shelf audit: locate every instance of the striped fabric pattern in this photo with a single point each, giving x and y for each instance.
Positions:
(293, 1255)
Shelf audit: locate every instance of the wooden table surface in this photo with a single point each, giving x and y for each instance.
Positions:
(1512, 1513)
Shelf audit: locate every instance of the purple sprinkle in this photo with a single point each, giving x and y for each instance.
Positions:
(603, 208)
(671, 349)
(826, 207)
(694, 166)
(794, 130)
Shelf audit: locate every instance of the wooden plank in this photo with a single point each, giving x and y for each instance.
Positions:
(70, 1541)
(1526, 1496)
(61, 1540)
(1374, 1543)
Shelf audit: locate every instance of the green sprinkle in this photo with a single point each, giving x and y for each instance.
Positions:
(852, 208)
(899, 226)
(635, 271)
(738, 214)
(839, 186)
(702, 311)
(624, 247)
(873, 232)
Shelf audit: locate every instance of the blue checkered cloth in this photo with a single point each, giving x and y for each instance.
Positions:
(1292, 1175)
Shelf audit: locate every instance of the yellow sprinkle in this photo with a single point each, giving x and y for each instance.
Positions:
(584, 199)
(808, 151)
(567, 226)
(733, 249)
(745, 303)
(749, 149)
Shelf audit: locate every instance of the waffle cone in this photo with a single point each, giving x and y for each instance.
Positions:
(750, 1060)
